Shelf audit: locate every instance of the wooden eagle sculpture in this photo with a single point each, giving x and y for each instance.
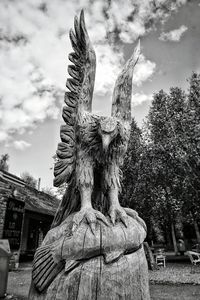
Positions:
(92, 147)
(106, 262)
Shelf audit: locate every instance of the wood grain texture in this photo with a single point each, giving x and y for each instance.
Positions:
(95, 266)
(77, 100)
(88, 255)
(92, 146)
(122, 94)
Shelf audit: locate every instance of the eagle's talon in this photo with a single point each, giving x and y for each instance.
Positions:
(89, 215)
(118, 212)
(92, 227)
(124, 220)
(131, 212)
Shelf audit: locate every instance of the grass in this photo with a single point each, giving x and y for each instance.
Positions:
(176, 273)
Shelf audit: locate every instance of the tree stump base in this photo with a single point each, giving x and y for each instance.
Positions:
(109, 265)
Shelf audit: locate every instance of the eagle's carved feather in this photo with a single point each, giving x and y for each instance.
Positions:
(77, 99)
(92, 148)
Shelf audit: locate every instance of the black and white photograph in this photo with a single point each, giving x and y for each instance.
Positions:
(99, 149)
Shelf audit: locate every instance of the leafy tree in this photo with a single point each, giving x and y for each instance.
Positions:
(4, 162)
(137, 184)
(55, 192)
(192, 154)
(29, 179)
(60, 191)
(130, 166)
(164, 161)
(49, 191)
(162, 165)
(174, 122)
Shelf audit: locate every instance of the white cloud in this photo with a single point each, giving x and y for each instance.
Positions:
(134, 18)
(109, 66)
(34, 45)
(173, 35)
(139, 98)
(3, 136)
(21, 145)
(143, 70)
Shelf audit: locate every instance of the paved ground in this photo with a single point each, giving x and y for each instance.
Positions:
(19, 282)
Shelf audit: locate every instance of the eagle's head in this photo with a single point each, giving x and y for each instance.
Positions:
(108, 130)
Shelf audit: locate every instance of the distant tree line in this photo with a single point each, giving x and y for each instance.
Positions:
(162, 166)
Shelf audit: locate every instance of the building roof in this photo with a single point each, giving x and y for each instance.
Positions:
(11, 178)
(41, 202)
(37, 201)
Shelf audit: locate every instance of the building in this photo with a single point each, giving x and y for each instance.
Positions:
(26, 214)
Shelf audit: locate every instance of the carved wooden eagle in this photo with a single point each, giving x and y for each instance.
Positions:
(92, 147)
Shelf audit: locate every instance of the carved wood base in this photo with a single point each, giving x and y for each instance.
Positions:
(126, 278)
(95, 278)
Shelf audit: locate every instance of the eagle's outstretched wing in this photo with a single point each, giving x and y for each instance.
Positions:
(121, 101)
(77, 99)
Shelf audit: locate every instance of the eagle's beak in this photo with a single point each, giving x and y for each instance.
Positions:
(106, 138)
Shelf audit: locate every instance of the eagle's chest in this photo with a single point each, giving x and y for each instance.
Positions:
(89, 138)
(88, 132)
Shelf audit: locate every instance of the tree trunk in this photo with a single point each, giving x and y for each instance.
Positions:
(150, 258)
(174, 239)
(168, 237)
(196, 227)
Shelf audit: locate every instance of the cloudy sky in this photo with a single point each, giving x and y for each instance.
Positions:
(34, 46)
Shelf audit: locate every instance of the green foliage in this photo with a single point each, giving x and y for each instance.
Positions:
(49, 191)
(130, 166)
(29, 179)
(162, 166)
(4, 162)
(56, 192)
